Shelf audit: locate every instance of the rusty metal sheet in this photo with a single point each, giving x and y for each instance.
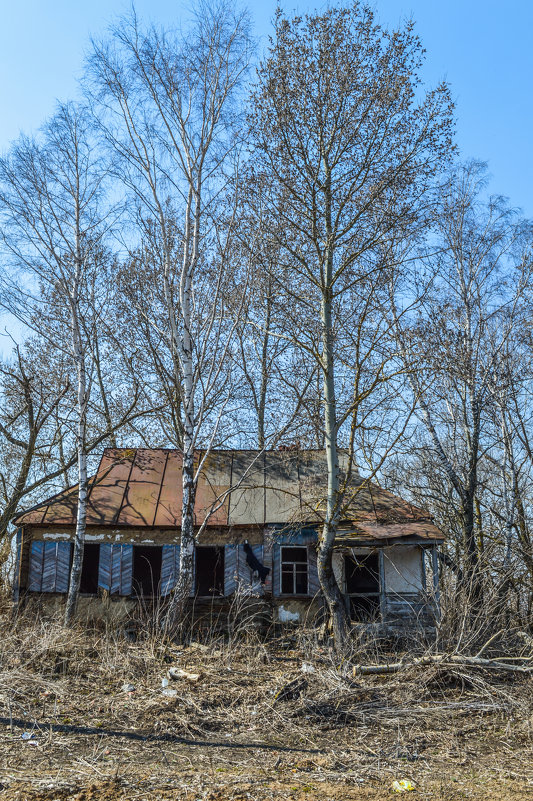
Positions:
(62, 509)
(107, 494)
(143, 488)
(212, 494)
(170, 500)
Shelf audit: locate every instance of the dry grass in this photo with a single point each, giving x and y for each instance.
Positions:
(455, 733)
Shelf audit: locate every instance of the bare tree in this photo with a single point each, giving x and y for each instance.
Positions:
(166, 104)
(350, 154)
(50, 202)
(456, 351)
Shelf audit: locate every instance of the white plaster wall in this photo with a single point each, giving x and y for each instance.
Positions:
(337, 562)
(403, 569)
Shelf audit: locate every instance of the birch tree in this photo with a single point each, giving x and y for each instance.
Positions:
(167, 109)
(50, 195)
(351, 143)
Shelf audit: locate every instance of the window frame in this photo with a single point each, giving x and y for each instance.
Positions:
(294, 564)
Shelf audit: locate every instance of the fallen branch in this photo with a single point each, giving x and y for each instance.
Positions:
(444, 660)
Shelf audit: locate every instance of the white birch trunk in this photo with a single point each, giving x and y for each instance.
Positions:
(81, 515)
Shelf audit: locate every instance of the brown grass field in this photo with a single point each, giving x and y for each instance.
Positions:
(454, 733)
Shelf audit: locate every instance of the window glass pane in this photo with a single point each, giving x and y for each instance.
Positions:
(292, 554)
(301, 582)
(287, 582)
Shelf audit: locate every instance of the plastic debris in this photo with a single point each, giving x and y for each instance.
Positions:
(164, 683)
(179, 673)
(26, 735)
(402, 786)
(128, 688)
(168, 692)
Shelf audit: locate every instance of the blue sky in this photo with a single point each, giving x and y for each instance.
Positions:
(482, 47)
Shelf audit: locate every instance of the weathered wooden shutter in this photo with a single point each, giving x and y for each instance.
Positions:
(49, 566)
(313, 584)
(36, 567)
(231, 568)
(62, 560)
(170, 568)
(276, 568)
(115, 568)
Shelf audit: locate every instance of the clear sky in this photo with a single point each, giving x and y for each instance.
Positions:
(484, 48)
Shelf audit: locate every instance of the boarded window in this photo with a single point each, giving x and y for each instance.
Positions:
(89, 568)
(209, 570)
(362, 586)
(294, 570)
(147, 569)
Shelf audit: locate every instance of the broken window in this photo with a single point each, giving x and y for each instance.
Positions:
(89, 568)
(294, 570)
(362, 586)
(209, 570)
(146, 569)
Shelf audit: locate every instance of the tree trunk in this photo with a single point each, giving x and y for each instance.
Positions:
(81, 515)
(328, 583)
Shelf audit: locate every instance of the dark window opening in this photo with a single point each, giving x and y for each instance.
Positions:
(89, 569)
(209, 570)
(294, 570)
(362, 586)
(146, 570)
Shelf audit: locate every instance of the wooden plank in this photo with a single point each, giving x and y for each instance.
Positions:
(49, 567)
(36, 567)
(382, 587)
(231, 553)
(16, 571)
(104, 566)
(170, 565)
(126, 569)
(313, 584)
(63, 558)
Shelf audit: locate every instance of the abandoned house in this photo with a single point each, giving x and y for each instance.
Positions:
(263, 517)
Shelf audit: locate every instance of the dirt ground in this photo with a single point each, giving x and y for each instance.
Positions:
(277, 720)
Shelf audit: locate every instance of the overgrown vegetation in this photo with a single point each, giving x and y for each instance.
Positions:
(260, 715)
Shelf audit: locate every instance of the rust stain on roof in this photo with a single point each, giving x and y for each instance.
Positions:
(143, 487)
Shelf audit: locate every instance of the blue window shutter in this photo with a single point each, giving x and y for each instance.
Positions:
(313, 584)
(36, 567)
(170, 568)
(276, 569)
(63, 566)
(231, 555)
(48, 583)
(104, 566)
(115, 568)
(126, 569)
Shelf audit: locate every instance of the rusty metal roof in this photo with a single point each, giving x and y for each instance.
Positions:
(142, 487)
